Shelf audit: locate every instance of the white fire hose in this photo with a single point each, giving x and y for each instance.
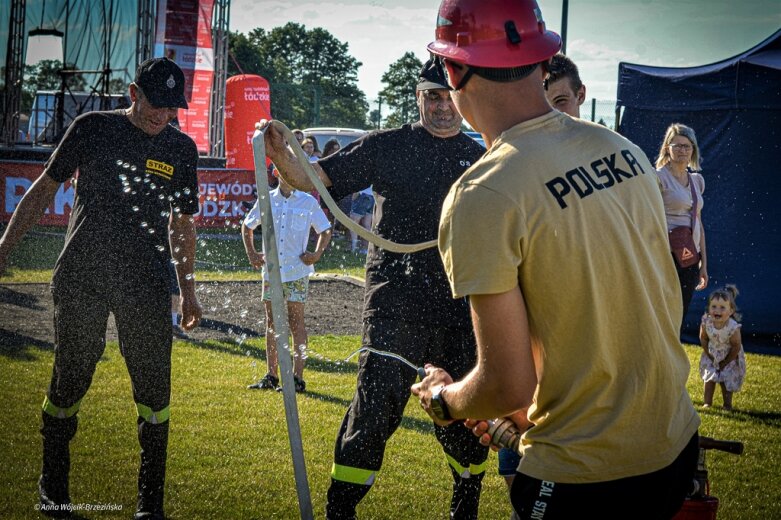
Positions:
(282, 330)
(278, 306)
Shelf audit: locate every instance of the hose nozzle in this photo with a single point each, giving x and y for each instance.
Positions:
(504, 434)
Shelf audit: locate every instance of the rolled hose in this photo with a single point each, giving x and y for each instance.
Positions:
(334, 207)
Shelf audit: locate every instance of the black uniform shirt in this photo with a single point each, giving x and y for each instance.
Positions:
(411, 172)
(128, 183)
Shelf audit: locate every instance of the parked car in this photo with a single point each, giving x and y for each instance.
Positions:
(477, 137)
(345, 136)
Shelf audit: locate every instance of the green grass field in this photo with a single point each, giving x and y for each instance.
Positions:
(229, 455)
(220, 256)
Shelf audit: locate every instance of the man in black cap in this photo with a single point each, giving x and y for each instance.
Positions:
(137, 190)
(408, 308)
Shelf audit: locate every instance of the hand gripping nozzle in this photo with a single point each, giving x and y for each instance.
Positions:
(504, 433)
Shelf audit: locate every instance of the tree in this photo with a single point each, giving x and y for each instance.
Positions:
(375, 119)
(243, 55)
(313, 77)
(399, 93)
(45, 75)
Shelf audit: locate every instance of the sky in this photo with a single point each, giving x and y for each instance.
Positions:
(600, 33)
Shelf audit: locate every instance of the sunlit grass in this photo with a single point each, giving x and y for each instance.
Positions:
(229, 454)
(220, 257)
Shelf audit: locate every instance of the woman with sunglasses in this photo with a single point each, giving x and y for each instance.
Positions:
(677, 166)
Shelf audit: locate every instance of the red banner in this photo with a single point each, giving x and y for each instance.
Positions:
(16, 178)
(220, 193)
(184, 34)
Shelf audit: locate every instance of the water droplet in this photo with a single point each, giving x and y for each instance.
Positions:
(126, 165)
(119, 163)
(160, 248)
(133, 168)
(186, 191)
(144, 224)
(126, 190)
(136, 179)
(151, 231)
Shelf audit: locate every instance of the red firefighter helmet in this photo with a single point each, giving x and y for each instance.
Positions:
(493, 33)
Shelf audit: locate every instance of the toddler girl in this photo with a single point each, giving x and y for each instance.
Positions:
(723, 360)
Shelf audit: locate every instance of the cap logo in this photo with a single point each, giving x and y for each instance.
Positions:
(170, 82)
(442, 22)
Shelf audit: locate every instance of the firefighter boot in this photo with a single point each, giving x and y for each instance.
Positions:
(343, 498)
(466, 496)
(53, 492)
(151, 475)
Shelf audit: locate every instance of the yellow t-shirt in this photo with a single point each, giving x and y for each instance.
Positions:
(571, 212)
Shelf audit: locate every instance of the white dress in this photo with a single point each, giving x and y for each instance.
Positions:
(718, 345)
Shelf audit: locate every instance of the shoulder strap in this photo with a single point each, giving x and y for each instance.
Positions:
(694, 199)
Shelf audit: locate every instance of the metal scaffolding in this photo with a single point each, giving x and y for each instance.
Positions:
(147, 12)
(14, 69)
(145, 38)
(220, 23)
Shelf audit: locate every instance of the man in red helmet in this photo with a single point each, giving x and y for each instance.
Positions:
(573, 292)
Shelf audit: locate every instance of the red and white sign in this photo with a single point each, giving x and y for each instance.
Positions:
(16, 179)
(184, 34)
(220, 193)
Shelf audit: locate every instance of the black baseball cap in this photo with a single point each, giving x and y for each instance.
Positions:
(162, 82)
(432, 76)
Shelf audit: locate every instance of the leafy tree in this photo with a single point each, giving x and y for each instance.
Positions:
(375, 118)
(243, 55)
(399, 93)
(45, 75)
(313, 77)
(117, 86)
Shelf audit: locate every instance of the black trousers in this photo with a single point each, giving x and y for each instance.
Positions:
(688, 277)
(654, 496)
(141, 308)
(377, 408)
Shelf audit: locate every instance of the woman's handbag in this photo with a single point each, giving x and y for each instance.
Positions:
(681, 240)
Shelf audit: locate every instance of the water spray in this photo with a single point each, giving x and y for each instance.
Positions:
(503, 432)
(420, 370)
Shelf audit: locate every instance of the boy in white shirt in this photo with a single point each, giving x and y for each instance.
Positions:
(294, 213)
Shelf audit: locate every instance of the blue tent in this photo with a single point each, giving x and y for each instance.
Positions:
(735, 108)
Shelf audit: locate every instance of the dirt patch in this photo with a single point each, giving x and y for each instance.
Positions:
(232, 311)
